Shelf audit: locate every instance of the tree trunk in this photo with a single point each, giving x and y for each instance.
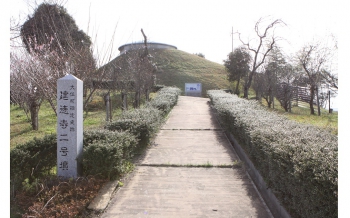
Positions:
(297, 96)
(289, 106)
(318, 102)
(110, 108)
(124, 101)
(137, 99)
(147, 94)
(34, 114)
(271, 99)
(329, 101)
(52, 105)
(237, 86)
(248, 84)
(311, 102)
(289, 97)
(269, 102)
(107, 99)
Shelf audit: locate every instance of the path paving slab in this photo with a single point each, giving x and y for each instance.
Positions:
(190, 147)
(187, 192)
(191, 113)
(190, 141)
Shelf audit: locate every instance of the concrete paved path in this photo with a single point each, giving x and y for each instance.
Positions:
(189, 171)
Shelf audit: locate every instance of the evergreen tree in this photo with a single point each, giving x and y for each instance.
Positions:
(237, 66)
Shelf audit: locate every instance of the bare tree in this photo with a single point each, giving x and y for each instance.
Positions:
(269, 82)
(313, 59)
(24, 91)
(285, 90)
(52, 46)
(259, 85)
(266, 42)
(132, 73)
(272, 72)
(331, 79)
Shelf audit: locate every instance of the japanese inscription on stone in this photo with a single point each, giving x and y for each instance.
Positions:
(69, 126)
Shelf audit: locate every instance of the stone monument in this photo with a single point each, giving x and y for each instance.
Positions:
(69, 126)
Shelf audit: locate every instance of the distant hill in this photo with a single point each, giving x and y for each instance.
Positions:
(175, 68)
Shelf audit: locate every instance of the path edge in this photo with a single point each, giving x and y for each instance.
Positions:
(271, 200)
(269, 197)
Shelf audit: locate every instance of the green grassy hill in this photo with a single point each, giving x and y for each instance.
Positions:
(175, 68)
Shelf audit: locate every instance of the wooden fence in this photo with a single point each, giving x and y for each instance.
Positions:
(296, 94)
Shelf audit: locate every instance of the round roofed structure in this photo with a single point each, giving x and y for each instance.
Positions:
(150, 45)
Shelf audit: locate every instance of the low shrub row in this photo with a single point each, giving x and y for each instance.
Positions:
(141, 122)
(165, 99)
(32, 160)
(145, 121)
(107, 152)
(298, 162)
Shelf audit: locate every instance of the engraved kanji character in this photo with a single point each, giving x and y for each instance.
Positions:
(64, 151)
(63, 109)
(63, 123)
(64, 95)
(64, 165)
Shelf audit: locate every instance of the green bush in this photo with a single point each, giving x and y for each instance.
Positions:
(107, 153)
(144, 122)
(166, 99)
(298, 162)
(127, 140)
(33, 160)
(140, 122)
(156, 88)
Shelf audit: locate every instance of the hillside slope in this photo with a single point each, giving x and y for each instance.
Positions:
(175, 68)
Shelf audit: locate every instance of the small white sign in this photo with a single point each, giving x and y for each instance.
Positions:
(193, 89)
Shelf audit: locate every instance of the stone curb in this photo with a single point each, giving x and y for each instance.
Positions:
(103, 197)
(269, 197)
(273, 203)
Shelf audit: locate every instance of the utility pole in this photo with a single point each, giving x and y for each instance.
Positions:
(329, 101)
(232, 39)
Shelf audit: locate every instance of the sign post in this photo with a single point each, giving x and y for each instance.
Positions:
(69, 126)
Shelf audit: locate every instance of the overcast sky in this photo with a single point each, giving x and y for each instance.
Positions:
(196, 26)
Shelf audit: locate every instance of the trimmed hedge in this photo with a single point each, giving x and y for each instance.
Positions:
(166, 99)
(32, 160)
(140, 122)
(144, 122)
(107, 153)
(298, 162)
